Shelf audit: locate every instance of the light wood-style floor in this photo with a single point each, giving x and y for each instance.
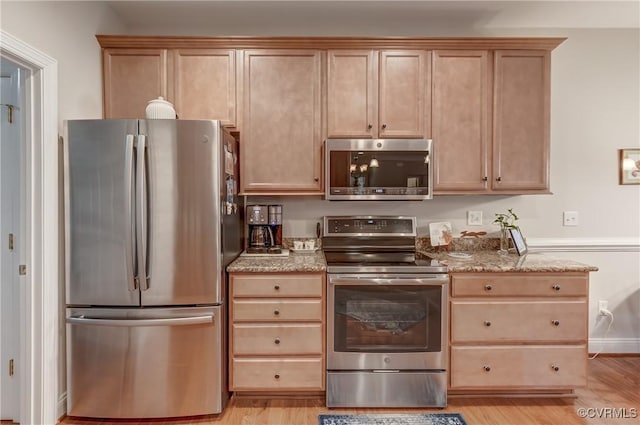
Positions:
(614, 382)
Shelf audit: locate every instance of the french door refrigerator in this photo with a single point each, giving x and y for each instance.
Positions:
(152, 219)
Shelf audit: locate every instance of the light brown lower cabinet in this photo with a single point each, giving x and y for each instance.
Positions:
(277, 332)
(518, 332)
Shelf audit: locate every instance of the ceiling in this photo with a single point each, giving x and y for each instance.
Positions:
(361, 17)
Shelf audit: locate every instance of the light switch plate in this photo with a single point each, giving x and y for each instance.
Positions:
(474, 218)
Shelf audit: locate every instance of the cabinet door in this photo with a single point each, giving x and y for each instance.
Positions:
(205, 84)
(132, 77)
(352, 94)
(521, 121)
(402, 95)
(282, 142)
(460, 120)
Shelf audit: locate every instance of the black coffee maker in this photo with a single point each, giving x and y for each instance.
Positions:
(265, 229)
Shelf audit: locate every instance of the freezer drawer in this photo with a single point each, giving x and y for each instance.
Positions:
(145, 363)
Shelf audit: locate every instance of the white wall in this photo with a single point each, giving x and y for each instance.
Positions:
(595, 110)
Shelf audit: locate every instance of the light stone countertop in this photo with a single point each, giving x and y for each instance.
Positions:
(491, 261)
(314, 262)
(480, 261)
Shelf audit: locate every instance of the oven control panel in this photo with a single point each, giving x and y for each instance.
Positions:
(370, 226)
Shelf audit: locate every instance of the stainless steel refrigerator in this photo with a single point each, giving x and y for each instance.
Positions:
(152, 219)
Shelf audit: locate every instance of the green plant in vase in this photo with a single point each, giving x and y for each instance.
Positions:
(505, 221)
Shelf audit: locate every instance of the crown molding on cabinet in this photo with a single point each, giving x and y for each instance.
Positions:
(240, 42)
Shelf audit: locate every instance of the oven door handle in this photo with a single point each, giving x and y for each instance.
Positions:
(437, 279)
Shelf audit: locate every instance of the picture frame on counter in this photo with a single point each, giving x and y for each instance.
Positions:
(629, 166)
(518, 241)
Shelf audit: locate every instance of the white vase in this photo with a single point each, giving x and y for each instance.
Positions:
(159, 109)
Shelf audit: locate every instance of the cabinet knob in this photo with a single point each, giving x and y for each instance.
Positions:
(487, 323)
(277, 287)
(555, 322)
(277, 341)
(485, 178)
(316, 179)
(370, 126)
(276, 376)
(556, 287)
(488, 287)
(384, 126)
(276, 312)
(498, 179)
(487, 368)
(555, 368)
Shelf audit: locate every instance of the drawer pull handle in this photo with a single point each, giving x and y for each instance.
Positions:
(556, 287)
(555, 322)
(384, 126)
(555, 368)
(277, 341)
(488, 287)
(276, 376)
(487, 368)
(276, 312)
(277, 287)
(487, 323)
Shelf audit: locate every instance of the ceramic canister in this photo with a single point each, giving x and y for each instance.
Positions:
(160, 109)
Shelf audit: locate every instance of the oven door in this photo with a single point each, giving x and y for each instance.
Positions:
(387, 322)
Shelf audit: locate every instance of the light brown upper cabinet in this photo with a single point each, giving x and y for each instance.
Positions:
(133, 77)
(205, 84)
(521, 121)
(490, 121)
(461, 120)
(373, 94)
(281, 141)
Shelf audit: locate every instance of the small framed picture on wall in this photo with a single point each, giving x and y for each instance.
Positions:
(629, 166)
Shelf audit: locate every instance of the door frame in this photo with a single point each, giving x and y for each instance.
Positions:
(39, 304)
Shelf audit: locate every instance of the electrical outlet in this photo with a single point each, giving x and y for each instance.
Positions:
(570, 218)
(603, 305)
(474, 218)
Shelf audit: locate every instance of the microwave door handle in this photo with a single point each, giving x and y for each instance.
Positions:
(130, 241)
(141, 211)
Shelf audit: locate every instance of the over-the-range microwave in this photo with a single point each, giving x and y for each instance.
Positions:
(378, 169)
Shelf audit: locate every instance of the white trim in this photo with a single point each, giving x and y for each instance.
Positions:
(39, 301)
(62, 405)
(623, 244)
(614, 345)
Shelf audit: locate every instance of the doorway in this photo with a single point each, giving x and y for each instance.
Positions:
(11, 231)
(37, 362)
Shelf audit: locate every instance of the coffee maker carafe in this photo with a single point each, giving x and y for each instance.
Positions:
(262, 238)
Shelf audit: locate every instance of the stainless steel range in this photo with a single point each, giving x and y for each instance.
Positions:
(386, 316)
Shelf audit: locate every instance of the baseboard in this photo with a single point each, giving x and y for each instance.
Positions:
(614, 345)
(621, 244)
(61, 410)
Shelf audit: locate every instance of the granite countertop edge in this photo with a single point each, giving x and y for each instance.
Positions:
(293, 263)
(479, 262)
(492, 262)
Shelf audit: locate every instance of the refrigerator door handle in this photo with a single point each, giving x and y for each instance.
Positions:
(174, 321)
(141, 210)
(129, 246)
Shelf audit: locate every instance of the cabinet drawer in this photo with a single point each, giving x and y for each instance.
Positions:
(277, 374)
(520, 284)
(489, 321)
(277, 285)
(278, 339)
(277, 309)
(509, 366)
